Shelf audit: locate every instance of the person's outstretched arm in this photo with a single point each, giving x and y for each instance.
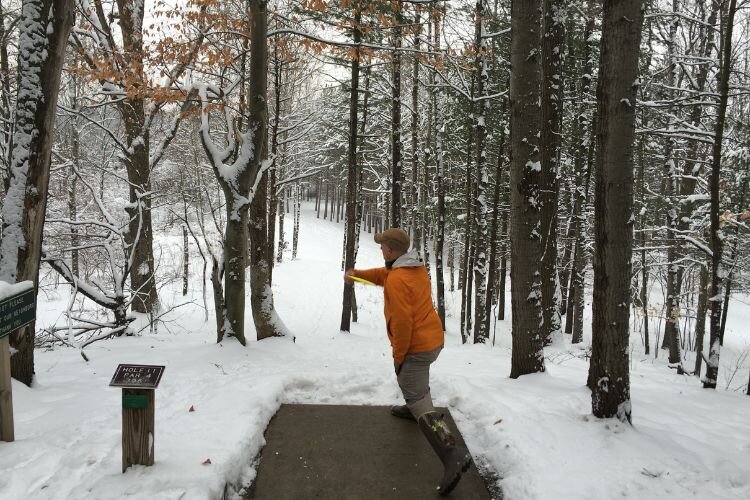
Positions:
(376, 275)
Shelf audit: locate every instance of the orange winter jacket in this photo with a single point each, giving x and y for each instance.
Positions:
(412, 322)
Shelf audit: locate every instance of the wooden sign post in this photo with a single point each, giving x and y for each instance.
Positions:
(17, 309)
(138, 384)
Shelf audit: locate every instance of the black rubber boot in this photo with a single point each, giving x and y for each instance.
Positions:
(401, 411)
(456, 459)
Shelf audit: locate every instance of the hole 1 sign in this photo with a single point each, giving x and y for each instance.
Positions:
(138, 383)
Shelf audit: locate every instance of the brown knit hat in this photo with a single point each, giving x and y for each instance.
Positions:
(395, 238)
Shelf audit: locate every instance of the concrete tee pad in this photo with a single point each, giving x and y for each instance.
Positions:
(352, 452)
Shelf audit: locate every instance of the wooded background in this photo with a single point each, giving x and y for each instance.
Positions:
(612, 162)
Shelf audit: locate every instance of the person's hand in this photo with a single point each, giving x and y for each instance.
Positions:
(348, 276)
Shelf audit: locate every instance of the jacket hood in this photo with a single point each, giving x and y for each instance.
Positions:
(409, 259)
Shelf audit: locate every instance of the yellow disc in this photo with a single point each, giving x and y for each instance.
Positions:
(362, 280)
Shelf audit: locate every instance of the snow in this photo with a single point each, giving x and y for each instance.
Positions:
(33, 53)
(11, 289)
(536, 432)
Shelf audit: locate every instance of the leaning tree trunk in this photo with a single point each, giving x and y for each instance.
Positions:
(609, 376)
(717, 237)
(44, 29)
(352, 177)
(525, 83)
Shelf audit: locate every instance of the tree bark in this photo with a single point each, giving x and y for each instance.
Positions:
(671, 191)
(481, 326)
(717, 235)
(440, 180)
(352, 167)
(700, 320)
(525, 83)
(609, 376)
(261, 295)
(396, 146)
(553, 41)
(137, 163)
(44, 29)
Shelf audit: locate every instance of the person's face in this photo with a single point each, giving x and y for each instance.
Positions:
(388, 252)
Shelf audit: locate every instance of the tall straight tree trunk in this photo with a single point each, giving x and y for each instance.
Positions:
(396, 166)
(416, 222)
(266, 322)
(553, 41)
(352, 177)
(503, 266)
(43, 33)
(295, 231)
(671, 191)
(717, 236)
(273, 202)
(481, 327)
(137, 163)
(609, 376)
(525, 84)
(581, 258)
(582, 136)
(440, 180)
(700, 320)
(492, 275)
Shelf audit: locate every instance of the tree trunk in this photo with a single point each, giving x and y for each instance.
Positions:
(218, 298)
(503, 268)
(553, 40)
(440, 156)
(525, 83)
(137, 138)
(396, 165)
(671, 191)
(700, 320)
(273, 202)
(609, 376)
(261, 295)
(481, 326)
(352, 167)
(416, 190)
(185, 261)
(717, 236)
(44, 29)
(295, 230)
(492, 275)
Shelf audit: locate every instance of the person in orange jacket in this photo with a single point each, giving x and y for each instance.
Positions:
(416, 336)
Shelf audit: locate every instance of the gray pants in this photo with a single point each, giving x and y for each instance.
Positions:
(414, 381)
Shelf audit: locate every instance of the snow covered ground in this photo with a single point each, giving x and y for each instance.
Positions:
(536, 432)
